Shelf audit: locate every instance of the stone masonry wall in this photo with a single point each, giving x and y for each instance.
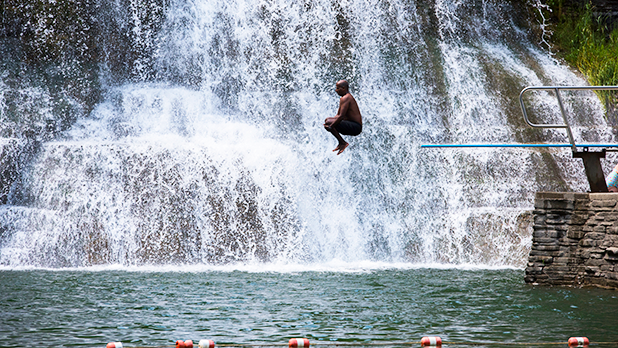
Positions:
(575, 240)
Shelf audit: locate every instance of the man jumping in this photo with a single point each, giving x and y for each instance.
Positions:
(348, 120)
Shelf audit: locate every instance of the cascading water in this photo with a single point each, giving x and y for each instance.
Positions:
(207, 145)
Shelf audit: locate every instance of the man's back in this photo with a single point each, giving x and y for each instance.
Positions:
(349, 106)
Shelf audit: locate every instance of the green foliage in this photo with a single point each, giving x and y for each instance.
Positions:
(589, 43)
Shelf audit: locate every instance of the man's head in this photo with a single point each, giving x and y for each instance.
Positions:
(342, 87)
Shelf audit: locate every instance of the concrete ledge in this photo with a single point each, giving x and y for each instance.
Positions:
(575, 240)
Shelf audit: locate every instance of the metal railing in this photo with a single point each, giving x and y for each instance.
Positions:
(560, 104)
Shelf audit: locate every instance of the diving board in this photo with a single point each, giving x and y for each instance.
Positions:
(521, 145)
(591, 159)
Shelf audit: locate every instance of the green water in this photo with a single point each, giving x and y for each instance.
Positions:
(40, 308)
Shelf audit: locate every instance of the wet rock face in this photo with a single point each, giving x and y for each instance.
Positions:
(14, 154)
(49, 55)
(8, 172)
(58, 57)
(575, 240)
(56, 60)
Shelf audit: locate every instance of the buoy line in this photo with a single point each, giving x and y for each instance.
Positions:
(430, 341)
(369, 344)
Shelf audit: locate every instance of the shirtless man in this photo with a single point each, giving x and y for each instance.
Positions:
(348, 120)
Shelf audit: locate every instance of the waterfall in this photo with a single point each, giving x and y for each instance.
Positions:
(207, 146)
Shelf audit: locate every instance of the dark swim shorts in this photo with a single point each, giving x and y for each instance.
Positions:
(349, 128)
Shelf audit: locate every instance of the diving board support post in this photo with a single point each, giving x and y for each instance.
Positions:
(594, 170)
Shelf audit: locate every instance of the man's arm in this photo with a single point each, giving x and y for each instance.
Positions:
(344, 106)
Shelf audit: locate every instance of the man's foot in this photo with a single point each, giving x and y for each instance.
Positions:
(341, 148)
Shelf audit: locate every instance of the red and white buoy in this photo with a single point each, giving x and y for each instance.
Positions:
(114, 345)
(579, 342)
(184, 344)
(298, 342)
(207, 344)
(431, 341)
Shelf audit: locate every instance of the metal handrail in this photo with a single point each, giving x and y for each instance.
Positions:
(564, 118)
